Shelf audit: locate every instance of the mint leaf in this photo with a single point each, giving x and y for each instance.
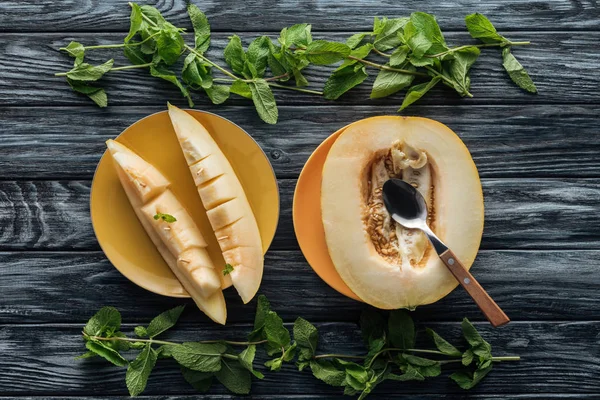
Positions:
(262, 309)
(442, 345)
(322, 52)
(241, 88)
(164, 321)
(375, 346)
(459, 69)
(417, 41)
(201, 381)
(257, 55)
(425, 366)
(343, 80)
(427, 26)
(218, 94)
(264, 101)
(246, 359)
(468, 380)
(479, 346)
(135, 22)
(136, 55)
(98, 95)
(399, 55)
(105, 322)
(139, 370)
(75, 50)
(418, 91)
(87, 354)
(359, 52)
(228, 269)
(387, 36)
(517, 72)
(169, 44)
(277, 335)
(234, 377)
(306, 337)
(327, 372)
(467, 357)
(296, 35)
(372, 325)
(165, 217)
(140, 331)
(88, 73)
(234, 54)
(480, 27)
(106, 352)
(401, 329)
(421, 61)
(199, 356)
(354, 40)
(201, 28)
(410, 374)
(160, 71)
(196, 73)
(390, 82)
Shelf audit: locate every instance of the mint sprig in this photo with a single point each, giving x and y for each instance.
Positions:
(390, 352)
(410, 53)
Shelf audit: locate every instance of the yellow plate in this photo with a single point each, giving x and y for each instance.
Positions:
(117, 228)
(308, 222)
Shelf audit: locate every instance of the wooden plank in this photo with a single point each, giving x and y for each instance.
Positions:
(22, 85)
(556, 358)
(428, 396)
(520, 214)
(528, 285)
(113, 15)
(505, 141)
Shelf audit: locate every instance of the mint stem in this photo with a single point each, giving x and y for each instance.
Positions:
(297, 89)
(380, 66)
(124, 339)
(124, 67)
(338, 356)
(502, 44)
(116, 46)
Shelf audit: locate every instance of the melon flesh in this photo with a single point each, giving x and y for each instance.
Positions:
(180, 243)
(225, 201)
(385, 264)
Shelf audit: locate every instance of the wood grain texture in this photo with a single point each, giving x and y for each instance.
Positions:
(505, 141)
(563, 66)
(113, 15)
(519, 214)
(528, 285)
(556, 358)
(427, 396)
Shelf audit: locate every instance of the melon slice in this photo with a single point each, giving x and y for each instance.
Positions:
(225, 201)
(385, 264)
(180, 243)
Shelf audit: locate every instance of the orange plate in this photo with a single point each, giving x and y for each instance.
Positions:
(308, 223)
(117, 228)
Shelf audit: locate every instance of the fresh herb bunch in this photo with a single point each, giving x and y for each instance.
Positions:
(390, 352)
(414, 52)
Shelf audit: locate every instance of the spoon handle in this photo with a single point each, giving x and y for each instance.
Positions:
(486, 304)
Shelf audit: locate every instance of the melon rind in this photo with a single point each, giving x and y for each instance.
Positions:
(458, 204)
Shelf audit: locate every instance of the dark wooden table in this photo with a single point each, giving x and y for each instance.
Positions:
(538, 157)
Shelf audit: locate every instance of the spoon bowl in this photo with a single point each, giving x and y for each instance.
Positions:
(404, 202)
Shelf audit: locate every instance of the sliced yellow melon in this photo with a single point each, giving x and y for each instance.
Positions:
(180, 243)
(225, 201)
(385, 264)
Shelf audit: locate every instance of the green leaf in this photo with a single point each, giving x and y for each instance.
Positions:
(106, 352)
(75, 50)
(87, 354)
(425, 366)
(360, 52)
(201, 381)
(228, 269)
(169, 44)
(218, 94)
(442, 345)
(257, 55)
(234, 377)
(262, 309)
(201, 28)
(399, 55)
(264, 101)
(354, 40)
(388, 38)
(401, 329)
(136, 55)
(468, 380)
(306, 337)
(87, 73)
(139, 370)
(459, 69)
(199, 356)
(322, 52)
(418, 91)
(277, 335)
(427, 25)
(516, 71)
(165, 217)
(246, 359)
(467, 357)
(375, 346)
(357, 372)
(343, 80)
(390, 82)
(422, 61)
(241, 88)
(135, 21)
(154, 15)
(480, 27)
(234, 54)
(327, 372)
(299, 78)
(196, 73)
(472, 335)
(372, 325)
(164, 321)
(417, 41)
(106, 321)
(160, 71)
(296, 35)
(411, 374)
(98, 95)
(140, 345)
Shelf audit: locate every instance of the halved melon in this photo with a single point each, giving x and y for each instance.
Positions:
(385, 264)
(180, 243)
(225, 201)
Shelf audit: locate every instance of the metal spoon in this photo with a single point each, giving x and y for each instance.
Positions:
(408, 208)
